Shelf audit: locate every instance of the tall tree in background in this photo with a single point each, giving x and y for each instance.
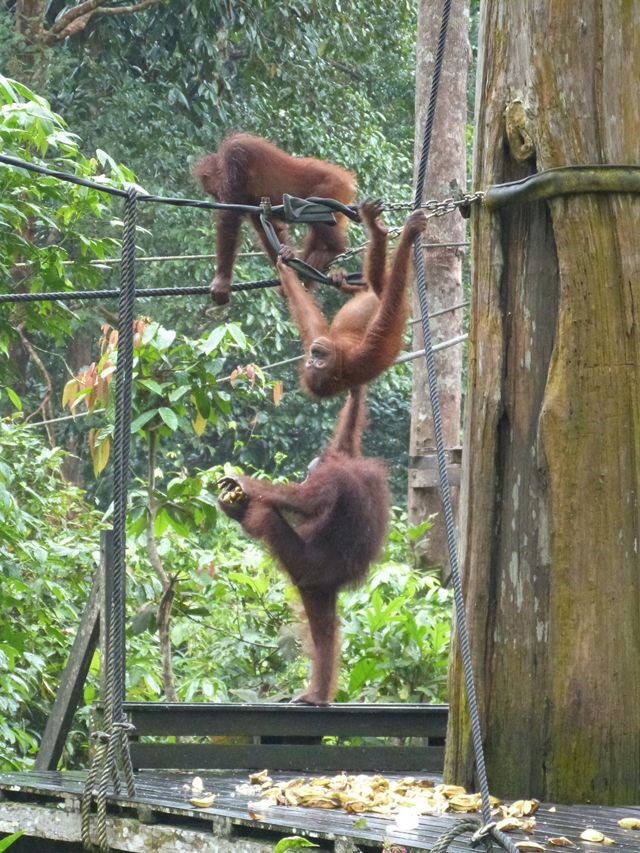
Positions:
(156, 89)
(447, 161)
(41, 25)
(550, 517)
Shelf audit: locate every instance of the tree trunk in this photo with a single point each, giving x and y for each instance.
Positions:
(447, 161)
(29, 62)
(29, 19)
(550, 521)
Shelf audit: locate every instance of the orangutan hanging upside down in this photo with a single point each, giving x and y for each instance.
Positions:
(366, 334)
(247, 169)
(343, 511)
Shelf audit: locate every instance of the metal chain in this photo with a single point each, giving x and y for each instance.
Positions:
(435, 208)
(356, 250)
(448, 205)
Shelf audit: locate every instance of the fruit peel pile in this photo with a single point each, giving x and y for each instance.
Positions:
(376, 794)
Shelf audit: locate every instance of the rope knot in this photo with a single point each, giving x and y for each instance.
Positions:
(479, 835)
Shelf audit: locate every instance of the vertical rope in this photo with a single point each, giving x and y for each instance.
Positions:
(451, 540)
(122, 442)
(442, 467)
(115, 741)
(431, 109)
(87, 794)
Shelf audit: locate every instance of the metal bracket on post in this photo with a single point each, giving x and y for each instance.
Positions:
(265, 204)
(458, 195)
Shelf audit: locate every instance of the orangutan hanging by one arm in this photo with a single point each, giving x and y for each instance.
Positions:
(365, 336)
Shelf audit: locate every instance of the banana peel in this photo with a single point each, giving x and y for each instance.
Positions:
(203, 801)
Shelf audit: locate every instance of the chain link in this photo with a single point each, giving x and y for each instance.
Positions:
(434, 208)
(398, 205)
(351, 253)
(438, 208)
(448, 205)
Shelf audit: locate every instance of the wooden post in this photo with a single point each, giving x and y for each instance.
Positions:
(71, 683)
(93, 626)
(106, 597)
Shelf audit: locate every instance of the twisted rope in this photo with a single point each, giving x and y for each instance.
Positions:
(116, 725)
(70, 295)
(467, 824)
(440, 450)
(89, 786)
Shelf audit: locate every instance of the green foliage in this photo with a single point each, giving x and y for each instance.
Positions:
(176, 388)
(44, 222)
(236, 608)
(313, 75)
(180, 386)
(49, 549)
(292, 842)
(5, 843)
(396, 637)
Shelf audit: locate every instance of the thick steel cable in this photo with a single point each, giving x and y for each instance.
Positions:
(440, 450)
(465, 824)
(116, 725)
(277, 210)
(122, 442)
(71, 295)
(89, 785)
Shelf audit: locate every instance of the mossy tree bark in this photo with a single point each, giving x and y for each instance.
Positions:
(550, 521)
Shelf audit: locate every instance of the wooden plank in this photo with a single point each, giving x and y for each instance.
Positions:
(71, 683)
(165, 797)
(341, 720)
(309, 759)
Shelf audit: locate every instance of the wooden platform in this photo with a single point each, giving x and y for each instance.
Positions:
(160, 818)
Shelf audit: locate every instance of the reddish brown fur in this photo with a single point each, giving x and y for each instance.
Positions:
(243, 171)
(343, 507)
(366, 334)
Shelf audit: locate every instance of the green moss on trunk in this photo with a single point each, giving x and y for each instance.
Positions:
(550, 517)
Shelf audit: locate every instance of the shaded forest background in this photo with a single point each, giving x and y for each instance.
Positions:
(157, 89)
(154, 90)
